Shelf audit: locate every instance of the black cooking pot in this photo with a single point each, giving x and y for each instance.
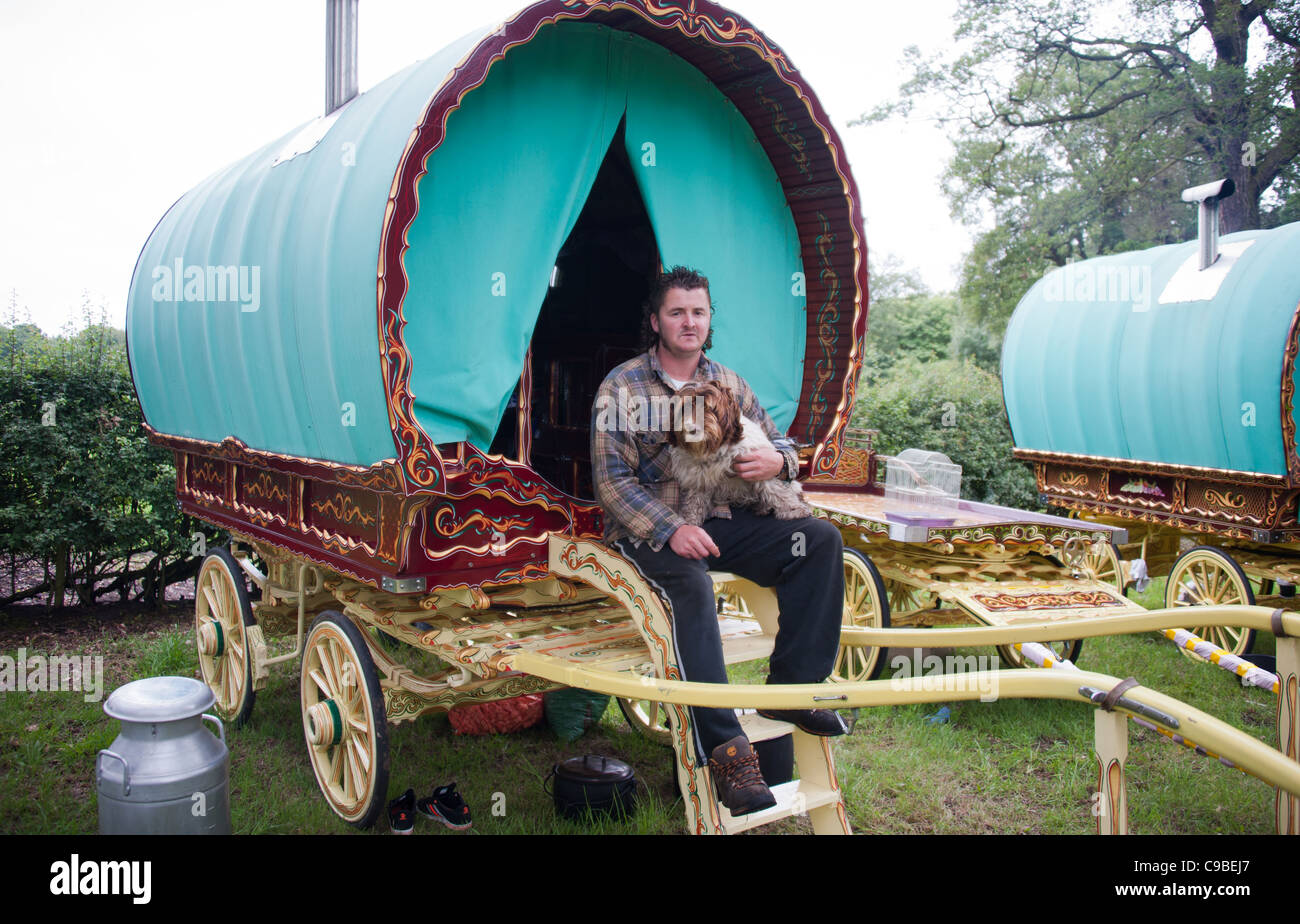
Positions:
(603, 785)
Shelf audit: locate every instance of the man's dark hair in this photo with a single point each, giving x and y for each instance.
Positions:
(679, 277)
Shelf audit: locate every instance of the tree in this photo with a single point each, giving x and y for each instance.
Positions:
(905, 319)
(1080, 122)
(913, 327)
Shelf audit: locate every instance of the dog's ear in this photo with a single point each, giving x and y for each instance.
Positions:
(728, 417)
(737, 430)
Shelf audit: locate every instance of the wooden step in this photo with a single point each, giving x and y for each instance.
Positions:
(743, 640)
(760, 728)
(797, 797)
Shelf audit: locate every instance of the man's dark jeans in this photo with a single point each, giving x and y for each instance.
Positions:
(801, 559)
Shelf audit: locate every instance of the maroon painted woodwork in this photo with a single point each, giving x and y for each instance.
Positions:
(1239, 505)
(490, 527)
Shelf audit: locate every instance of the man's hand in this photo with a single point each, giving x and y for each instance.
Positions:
(692, 542)
(760, 465)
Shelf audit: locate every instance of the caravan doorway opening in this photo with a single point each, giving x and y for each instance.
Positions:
(590, 322)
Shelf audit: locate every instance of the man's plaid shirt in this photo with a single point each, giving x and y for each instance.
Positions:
(630, 462)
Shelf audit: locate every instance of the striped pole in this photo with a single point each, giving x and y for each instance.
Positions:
(1225, 659)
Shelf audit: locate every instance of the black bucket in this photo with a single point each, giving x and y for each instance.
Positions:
(601, 785)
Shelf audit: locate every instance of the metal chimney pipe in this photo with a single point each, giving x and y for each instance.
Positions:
(340, 53)
(1208, 196)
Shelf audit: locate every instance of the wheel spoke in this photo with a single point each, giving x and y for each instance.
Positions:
(335, 775)
(362, 754)
(222, 684)
(347, 779)
(223, 599)
(211, 598)
(1214, 592)
(1197, 591)
(328, 668)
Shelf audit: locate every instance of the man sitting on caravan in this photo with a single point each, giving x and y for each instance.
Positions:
(642, 500)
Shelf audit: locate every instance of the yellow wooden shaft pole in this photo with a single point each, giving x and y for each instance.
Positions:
(1288, 727)
(1111, 746)
(1252, 617)
(1242, 749)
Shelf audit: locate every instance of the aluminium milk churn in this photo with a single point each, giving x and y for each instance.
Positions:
(165, 773)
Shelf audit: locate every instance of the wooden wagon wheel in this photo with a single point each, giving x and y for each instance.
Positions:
(650, 717)
(866, 606)
(1102, 564)
(904, 599)
(1207, 575)
(733, 603)
(343, 718)
(222, 614)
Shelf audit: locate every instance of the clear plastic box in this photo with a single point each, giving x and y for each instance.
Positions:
(918, 482)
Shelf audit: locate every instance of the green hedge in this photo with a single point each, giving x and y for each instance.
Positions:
(82, 492)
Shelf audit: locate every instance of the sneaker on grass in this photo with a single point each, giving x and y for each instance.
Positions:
(446, 806)
(401, 813)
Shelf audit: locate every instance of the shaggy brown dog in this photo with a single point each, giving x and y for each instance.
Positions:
(704, 451)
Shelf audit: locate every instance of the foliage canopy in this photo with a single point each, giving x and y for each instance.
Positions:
(1076, 125)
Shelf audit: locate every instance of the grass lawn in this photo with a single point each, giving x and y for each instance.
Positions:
(1007, 766)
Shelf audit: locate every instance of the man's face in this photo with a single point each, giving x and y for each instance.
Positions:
(682, 322)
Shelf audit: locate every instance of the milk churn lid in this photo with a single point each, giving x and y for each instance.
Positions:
(159, 699)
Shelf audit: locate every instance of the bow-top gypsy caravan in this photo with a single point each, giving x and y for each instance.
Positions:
(373, 347)
(1156, 390)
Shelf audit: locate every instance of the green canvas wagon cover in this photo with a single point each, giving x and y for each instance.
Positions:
(1143, 381)
(367, 287)
(1142, 356)
(375, 343)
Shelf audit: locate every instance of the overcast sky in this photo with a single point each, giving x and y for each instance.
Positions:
(110, 111)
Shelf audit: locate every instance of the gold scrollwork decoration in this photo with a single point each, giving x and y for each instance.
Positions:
(343, 509)
(266, 488)
(1044, 601)
(1223, 498)
(445, 522)
(208, 472)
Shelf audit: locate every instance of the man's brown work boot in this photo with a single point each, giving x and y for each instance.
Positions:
(739, 781)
